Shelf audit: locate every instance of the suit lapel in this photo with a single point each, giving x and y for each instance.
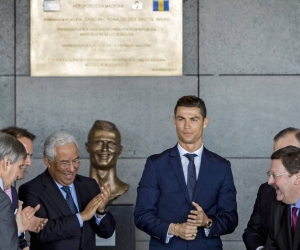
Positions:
(282, 224)
(81, 192)
(176, 165)
(203, 173)
(54, 194)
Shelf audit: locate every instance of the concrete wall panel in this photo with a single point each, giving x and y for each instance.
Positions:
(246, 112)
(249, 37)
(7, 100)
(142, 109)
(190, 37)
(7, 38)
(23, 37)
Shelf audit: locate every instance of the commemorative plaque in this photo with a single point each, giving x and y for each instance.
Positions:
(106, 38)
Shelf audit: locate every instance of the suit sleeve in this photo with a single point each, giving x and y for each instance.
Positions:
(107, 225)
(8, 228)
(148, 193)
(55, 229)
(226, 219)
(254, 235)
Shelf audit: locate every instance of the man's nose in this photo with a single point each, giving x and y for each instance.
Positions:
(187, 124)
(27, 160)
(271, 180)
(105, 146)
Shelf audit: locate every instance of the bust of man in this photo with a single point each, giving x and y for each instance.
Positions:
(104, 147)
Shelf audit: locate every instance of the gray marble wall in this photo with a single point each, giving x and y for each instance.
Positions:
(240, 56)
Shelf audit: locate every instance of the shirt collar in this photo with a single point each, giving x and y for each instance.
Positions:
(297, 204)
(1, 184)
(60, 186)
(182, 151)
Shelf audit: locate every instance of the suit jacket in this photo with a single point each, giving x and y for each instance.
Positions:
(258, 227)
(14, 194)
(163, 199)
(8, 226)
(280, 235)
(62, 230)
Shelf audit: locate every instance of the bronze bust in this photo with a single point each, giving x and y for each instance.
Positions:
(104, 147)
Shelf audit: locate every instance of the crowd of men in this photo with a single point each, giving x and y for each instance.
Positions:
(186, 197)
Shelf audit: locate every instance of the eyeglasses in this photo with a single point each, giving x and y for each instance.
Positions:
(275, 176)
(75, 163)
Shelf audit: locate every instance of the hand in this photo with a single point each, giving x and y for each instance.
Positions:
(37, 224)
(197, 217)
(24, 216)
(91, 208)
(105, 195)
(26, 248)
(185, 231)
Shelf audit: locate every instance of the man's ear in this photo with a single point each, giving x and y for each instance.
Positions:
(120, 150)
(87, 147)
(205, 122)
(47, 161)
(297, 181)
(6, 162)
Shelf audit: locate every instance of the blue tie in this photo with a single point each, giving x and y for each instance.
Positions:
(69, 200)
(191, 175)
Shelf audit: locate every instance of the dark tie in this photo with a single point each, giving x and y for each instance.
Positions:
(191, 175)
(294, 219)
(69, 200)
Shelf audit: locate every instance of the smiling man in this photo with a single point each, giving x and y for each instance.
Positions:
(12, 156)
(284, 176)
(74, 205)
(26, 138)
(104, 147)
(186, 198)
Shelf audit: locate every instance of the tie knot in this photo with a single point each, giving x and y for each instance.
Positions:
(66, 189)
(190, 156)
(294, 210)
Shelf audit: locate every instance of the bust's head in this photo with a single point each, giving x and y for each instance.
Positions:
(104, 145)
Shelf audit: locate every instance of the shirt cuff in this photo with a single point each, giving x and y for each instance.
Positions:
(169, 236)
(79, 219)
(260, 247)
(98, 220)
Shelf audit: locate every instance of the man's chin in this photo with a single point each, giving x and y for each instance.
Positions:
(20, 177)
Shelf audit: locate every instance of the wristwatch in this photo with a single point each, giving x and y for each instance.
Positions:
(102, 213)
(208, 223)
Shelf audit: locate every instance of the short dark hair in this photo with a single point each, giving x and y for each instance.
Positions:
(106, 126)
(18, 132)
(191, 101)
(290, 130)
(290, 158)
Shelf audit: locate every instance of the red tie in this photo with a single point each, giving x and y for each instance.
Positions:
(294, 219)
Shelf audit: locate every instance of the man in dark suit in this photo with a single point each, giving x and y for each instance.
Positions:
(26, 138)
(258, 227)
(12, 155)
(73, 204)
(186, 197)
(284, 176)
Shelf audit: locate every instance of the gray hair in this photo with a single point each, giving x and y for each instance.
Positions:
(57, 139)
(11, 148)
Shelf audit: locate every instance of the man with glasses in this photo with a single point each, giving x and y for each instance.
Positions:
(73, 204)
(12, 156)
(284, 176)
(26, 138)
(258, 227)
